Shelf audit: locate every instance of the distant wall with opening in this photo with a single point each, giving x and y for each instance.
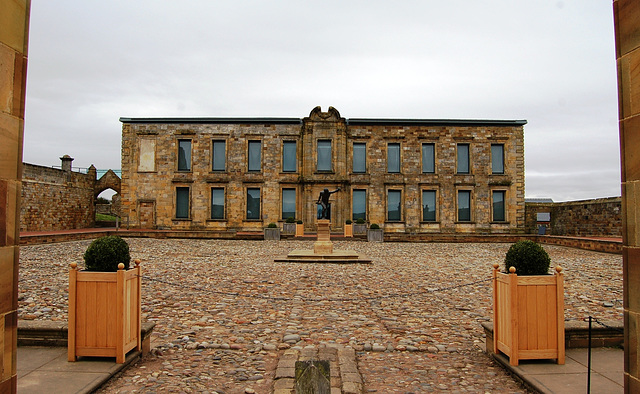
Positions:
(586, 218)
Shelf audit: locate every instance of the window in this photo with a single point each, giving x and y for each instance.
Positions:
(324, 155)
(219, 156)
(182, 203)
(464, 206)
(184, 155)
(253, 203)
(497, 159)
(428, 158)
(359, 157)
(289, 157)
(499, 213)
(288, 203)
(463, 159)
(428, 205)
(393, 157)
(255, 156)
(359, 209)
(394, 205)
(217, 203)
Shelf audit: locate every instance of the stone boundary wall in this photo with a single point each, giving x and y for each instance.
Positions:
(54, 199)
(585, 218)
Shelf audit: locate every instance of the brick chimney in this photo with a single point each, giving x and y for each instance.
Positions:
(66, 162)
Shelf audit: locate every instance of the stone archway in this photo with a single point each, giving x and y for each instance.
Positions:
(108, 181)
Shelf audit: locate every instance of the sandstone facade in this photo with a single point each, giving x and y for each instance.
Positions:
(174, 175)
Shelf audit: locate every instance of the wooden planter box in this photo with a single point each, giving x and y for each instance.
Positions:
(104, 313)
(348, 230)
(299, 230)
(528, 313)
(272, 234)
(289, 228)
(375, 235)
(359, 229)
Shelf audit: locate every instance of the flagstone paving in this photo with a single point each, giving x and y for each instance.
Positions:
(226, 313)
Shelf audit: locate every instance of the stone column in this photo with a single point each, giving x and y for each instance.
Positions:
(627, 32)
(14, 27)
(323, 245)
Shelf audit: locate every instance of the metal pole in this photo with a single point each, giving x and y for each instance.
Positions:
(589, 361)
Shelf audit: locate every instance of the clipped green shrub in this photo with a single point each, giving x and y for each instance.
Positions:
(360, 221)
(299, 221)
(374, 226)
(272, 225)
(349, 221)
(290, 219)
(528, 258)
(105, 253)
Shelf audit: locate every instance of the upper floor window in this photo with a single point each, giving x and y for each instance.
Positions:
(393, 157)
(255, 156)
(359, 201)
(219, 156)
(182, 203)
(428, 205)
(464, 206)
(288, 203)
(289, 156)
(497, 159)
(394, 205)
(428, 158)
(359, 157)
(498, 202)
(217, 203)
(462, 159)
(324, 155)
(184, 155)
(147, 161)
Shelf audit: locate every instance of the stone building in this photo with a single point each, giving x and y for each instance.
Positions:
(240, 174)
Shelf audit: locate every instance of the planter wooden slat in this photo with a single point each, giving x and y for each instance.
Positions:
(104, 313)
(529, 316)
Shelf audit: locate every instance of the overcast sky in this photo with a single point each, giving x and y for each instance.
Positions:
(551, 63)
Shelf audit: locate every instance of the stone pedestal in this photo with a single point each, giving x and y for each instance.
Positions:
(323, 245)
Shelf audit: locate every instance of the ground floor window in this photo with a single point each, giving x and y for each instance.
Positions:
(498, 199)
(464, 206)
(217, 203)
(359, 204)
(253, 203)
(394, 205)
(288, 204)
(182, 202)
(429, 206)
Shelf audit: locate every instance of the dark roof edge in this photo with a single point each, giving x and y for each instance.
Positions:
(435, 122)
(350, 121)
(213, 120)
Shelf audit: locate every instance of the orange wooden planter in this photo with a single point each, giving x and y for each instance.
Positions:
(348, 230)
(299, 230)
(528, 313)
(104, 312)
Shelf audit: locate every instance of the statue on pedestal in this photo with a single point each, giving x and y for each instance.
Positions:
(323, 200)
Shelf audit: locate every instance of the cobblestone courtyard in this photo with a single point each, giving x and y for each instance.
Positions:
(225, 311)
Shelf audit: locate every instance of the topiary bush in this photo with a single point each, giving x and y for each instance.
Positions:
(360, 221)
(272, 225)
(374, 226)
(105, 253)
(290, 219)
(299, 221)
(528, 258)
(349, 221)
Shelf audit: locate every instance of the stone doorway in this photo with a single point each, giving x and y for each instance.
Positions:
(146, 214)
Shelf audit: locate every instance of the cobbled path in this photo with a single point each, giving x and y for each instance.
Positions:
(225, 312)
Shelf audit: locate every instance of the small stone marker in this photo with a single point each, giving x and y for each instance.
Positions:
(313, 377)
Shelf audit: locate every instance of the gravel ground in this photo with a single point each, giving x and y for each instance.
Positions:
(225, 311)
